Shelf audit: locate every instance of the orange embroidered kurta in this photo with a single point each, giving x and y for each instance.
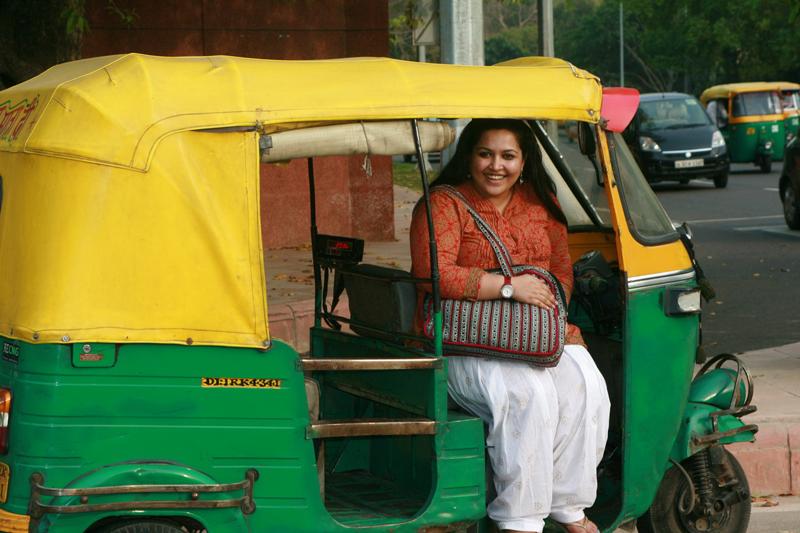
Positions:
(531, 234)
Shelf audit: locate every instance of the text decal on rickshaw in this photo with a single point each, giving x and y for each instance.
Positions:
(13, 116)
(245, 383)
(11, 352)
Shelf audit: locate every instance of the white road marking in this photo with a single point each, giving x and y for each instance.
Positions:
(736, 219)
(778, 230)
(772, 189)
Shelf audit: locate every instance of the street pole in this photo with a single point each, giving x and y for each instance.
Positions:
(547, 48)
(546, 44)
(621, 48)
(461, 31)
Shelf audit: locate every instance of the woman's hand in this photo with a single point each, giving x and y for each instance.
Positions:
(530, 289)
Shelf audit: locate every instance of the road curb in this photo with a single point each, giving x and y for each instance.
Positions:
(772, 462)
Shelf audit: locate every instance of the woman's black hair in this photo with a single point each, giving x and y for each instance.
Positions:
(456, 171)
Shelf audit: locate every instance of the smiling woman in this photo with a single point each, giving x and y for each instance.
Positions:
(497, 167)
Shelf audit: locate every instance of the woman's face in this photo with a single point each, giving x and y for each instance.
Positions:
(495, 164)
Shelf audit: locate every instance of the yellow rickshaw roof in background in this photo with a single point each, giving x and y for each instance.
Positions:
(729, 89)
(787, 85)
(116, 109)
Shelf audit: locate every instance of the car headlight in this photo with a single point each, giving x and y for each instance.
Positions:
(648, 144)
(717, 140)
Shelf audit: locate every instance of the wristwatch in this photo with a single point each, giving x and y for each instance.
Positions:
(507, 290)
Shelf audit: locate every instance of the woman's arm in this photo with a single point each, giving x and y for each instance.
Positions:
(457, 282)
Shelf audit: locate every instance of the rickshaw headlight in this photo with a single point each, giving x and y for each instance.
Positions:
(717, 140)
(679, 302)
(648, 144)
(768, 145)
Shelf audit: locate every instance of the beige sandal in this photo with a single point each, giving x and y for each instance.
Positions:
(584, 525)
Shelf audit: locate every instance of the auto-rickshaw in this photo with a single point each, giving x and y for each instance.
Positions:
(750, 117)
(141, 390)
(790, 101)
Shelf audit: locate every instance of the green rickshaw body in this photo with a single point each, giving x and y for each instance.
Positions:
(143, 383)
(749, 140)
(790, 101)
(147, 414)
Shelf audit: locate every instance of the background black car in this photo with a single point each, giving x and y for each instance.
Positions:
(673, 139)
(789, 184)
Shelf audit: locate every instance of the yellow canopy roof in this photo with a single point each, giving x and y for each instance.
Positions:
(115, 109)
(122, 221)
(728, 89)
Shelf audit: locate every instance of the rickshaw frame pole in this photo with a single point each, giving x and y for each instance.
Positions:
(312, 200)
(426, 195)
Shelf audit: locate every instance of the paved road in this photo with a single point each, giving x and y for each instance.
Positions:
(781, 518)
(751, 257)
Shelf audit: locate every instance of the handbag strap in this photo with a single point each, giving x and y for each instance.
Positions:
(500, 250)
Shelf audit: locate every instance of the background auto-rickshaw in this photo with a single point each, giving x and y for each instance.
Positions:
(790, 101)
(750, 117)
(141, 389)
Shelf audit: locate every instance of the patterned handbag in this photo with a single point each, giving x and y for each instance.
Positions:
(504, 329)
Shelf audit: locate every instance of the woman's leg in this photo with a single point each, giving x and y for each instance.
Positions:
(580, 437)
(519, 404)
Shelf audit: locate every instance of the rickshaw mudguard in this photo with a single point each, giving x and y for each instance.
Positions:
(126, 477)
(697, 428)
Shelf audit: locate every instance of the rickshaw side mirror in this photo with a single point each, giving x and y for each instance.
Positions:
(586, 139)
(684, 230)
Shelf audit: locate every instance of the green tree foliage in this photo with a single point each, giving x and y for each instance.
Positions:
(511, 29)
(682, 45)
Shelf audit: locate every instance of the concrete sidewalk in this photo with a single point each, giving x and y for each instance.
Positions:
(772, 462)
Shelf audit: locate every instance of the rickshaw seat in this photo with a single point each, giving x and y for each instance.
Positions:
(382, 300)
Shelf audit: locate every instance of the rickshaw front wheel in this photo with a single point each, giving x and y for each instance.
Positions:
(673, 512)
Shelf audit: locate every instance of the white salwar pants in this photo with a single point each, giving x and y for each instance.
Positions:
(547, 432)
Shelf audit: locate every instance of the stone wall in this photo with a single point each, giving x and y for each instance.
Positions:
(355, 204)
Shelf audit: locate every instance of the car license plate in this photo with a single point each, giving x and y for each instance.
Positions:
(689, 163)
(5, 476)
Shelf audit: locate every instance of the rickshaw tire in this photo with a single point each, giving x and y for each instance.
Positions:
(765, 164)
(664, 515)
(144, 526)
(721, 180)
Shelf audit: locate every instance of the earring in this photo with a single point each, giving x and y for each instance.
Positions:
(469, 176)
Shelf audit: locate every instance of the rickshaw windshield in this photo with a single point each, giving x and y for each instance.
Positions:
(672, 113)
(648, 221)
(757, 103)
